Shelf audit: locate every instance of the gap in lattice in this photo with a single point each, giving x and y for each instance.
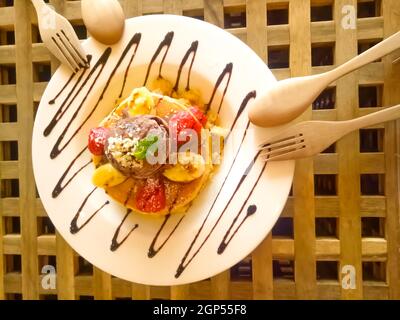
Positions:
(8, 150)
(235, 17)
(45, 226)
(369, 8)
(327, 270)
(321, 12)
(278, 57)
(374, 271)
(283, 269)
(242, 271)
(80, 31)
(283, 228)
(41, 71)
(370, 96)
(11, 225)
(373, 227)
(372, 140)
(195, 14)
(9, 188)
(9, 113)
(372, 184)
(277, 14)
(12, 263)
(8, 74)
(325, 184)
(326, 227)
(364, 45)
(322, 54)
(326, 100)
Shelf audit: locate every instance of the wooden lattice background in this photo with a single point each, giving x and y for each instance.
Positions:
(344, 208)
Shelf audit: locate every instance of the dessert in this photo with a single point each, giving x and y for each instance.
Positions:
(153, 152)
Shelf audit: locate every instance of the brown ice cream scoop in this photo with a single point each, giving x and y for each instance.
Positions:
(123, 140)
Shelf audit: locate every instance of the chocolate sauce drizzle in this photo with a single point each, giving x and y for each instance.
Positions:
(115, 245)
(59, 186)
(251, 210)
(61, 111)
(226, 72)
(183, 265)
(152, 250)
(165, 43)
(135, 40)
(192, 50)
(246, 100)
(186, 260)
(74, 224)
(53, 101)
(101, 62)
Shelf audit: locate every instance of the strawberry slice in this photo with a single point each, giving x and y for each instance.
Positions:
(192, 119)
(151, 196)
(97, 140)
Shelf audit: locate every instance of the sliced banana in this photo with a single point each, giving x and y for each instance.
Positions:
(190, 166)
(107, 176)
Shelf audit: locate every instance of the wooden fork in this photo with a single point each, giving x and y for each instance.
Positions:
(59, 37)
(306, 139)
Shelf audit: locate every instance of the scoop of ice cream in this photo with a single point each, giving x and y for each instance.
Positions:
(123, 142)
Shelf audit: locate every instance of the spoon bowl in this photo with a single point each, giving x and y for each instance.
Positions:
(104, 20)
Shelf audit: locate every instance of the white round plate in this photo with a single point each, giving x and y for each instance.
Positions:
(238, 206)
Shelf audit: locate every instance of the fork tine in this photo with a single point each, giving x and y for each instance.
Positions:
(62, 55)
(292, 155)
(75, 50)
(282, 143)
(272, 152)
(276, 139)
(68, 52)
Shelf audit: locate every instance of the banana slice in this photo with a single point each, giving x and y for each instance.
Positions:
(107, 176)
(190, 166)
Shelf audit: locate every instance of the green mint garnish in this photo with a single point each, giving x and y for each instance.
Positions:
(143, 146)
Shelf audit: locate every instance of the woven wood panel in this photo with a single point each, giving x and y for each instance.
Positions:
(344, 208)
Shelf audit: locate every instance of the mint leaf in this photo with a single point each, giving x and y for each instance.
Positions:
(143, 146)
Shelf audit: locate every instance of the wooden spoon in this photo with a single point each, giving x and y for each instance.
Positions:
(288, 99)
(104, 19)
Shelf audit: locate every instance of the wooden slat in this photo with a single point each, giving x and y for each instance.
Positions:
(220, 286)
(9, 170)
(303, 187)
(285, 289)
(348, 207)
(2, 263)
(101, 285)
(8, 94)
(9, 131)
(140, 292)
(263, 271)
(64, 253)
(7, 17)
(133, 8)
(180, 292)
(391, 11)
(172, 7)
(30, 279)
(214, 12)
(262, 258)
(65, 269)
(349, 168)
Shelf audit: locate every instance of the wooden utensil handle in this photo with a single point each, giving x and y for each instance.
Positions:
(378, 51)
(38, 4)
(388, 114)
